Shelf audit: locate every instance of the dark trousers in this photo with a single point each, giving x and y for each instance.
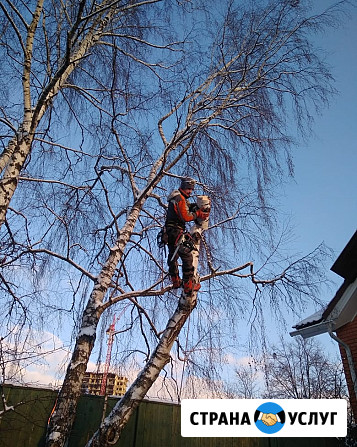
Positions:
(174, 234)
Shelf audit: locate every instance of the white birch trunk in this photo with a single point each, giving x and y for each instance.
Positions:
(112, 426)
(15, 154)
(65, 409)
(8, 183)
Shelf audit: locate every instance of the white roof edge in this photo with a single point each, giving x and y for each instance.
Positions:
(336, 318)
(316, 317)
(315, 329)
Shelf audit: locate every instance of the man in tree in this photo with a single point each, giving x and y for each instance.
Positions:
(180, 211)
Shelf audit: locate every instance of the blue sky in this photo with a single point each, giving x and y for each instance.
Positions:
(322, 199)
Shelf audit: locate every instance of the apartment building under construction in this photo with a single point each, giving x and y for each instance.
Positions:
(92, 384)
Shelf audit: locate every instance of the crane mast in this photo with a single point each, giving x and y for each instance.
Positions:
(111, 332)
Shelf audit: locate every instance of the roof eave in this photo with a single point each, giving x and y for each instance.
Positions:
(313, 330)
(343, 312)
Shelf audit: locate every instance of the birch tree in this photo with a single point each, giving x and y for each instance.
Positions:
(216, 107)
(44, 43)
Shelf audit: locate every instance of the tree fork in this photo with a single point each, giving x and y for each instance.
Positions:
(111, 428)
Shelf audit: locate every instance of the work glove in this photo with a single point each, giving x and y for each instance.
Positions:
(193, 207)
(200, 214)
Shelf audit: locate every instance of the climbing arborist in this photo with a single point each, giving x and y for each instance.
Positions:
(180, 211)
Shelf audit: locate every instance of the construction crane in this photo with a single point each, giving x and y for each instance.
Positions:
(111, 333)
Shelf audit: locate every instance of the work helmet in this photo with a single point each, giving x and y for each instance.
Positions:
(187, 182)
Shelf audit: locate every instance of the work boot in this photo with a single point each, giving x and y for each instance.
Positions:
(176, 282)
(190, 286)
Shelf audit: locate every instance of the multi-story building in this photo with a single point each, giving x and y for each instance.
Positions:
(92, 382)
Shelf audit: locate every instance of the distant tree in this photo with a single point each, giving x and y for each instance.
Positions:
(247, 381)
(131, 96)
(302, 370)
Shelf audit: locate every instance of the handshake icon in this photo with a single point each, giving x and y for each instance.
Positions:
(269, 419)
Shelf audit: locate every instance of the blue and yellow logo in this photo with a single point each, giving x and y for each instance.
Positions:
(269, 418)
